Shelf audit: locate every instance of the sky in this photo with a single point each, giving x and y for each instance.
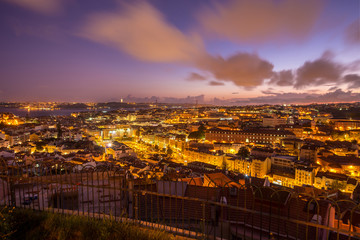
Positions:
(216, 51)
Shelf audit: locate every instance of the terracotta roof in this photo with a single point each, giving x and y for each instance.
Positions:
(193, 181)
(220, 179)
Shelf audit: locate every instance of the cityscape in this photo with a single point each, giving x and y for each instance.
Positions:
(236, 119)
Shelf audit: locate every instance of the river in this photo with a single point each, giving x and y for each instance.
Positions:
(40, 113)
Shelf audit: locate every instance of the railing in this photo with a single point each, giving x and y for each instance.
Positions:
(233, 211)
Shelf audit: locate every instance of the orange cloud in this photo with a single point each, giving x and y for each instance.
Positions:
(215, 83)
(319, 72)
(283, 78)
(196, 77)
(243, 69)
(141, 31)
(258, 20)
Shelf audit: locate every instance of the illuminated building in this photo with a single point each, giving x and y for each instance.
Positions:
(344, 125)
(283, 161)
(309, 153)
(326, 180)
(273, 121)
(260, 167)
(257, 136)
(205, 157)
(304, 175)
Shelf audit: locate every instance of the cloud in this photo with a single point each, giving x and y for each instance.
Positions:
(258, 20)
(352, 32)
(195, 77)
(47, 7)
(353, 80)
(215, 83)
(333, 89)
(141, 31)
(270, 91)
(313, 90)
(296, 98)
(243, 69)
(283, 78)
(354, 66)
(318, 72)
(322, 71)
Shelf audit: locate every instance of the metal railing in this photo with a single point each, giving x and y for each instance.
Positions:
(233, 211)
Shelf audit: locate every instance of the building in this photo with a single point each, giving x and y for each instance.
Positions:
(261, 152)
(273, 121)
(329, 180)
(349, 165)
(291, 144)
(344, 125)
(260, 167)
(227, 147)
(284, 161)
(120, 150)
(286, 179)
(257, 136)
(206, 157)
(309, 153)
(304, 175)
(4, 143)
(254, 166)
(241, 165)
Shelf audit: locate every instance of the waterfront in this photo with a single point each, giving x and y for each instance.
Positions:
(40, 113)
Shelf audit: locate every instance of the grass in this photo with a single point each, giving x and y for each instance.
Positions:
(28, 224)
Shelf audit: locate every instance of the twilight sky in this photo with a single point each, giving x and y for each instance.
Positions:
(91, 50)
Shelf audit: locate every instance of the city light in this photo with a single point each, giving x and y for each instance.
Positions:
(233, 119)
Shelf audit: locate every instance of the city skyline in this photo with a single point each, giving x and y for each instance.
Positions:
(254, 51)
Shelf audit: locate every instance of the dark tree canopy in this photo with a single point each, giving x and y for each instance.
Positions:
(243, 152)
(199, 134)
(169, 151)
(196, 135)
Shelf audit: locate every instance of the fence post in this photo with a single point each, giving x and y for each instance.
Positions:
(12, 192)
(130, 182)
(203, 219)
(136, 207)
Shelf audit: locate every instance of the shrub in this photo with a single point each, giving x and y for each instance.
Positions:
(33, 225)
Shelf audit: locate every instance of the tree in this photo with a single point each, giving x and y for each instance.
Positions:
(199, 134)
(224, 165)
(39, 146)
(337, 185)
(196, 135)
(137, 133)
(339, 135)
(169, 151)
(243, 152)
(201, 128)
(59, 130)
